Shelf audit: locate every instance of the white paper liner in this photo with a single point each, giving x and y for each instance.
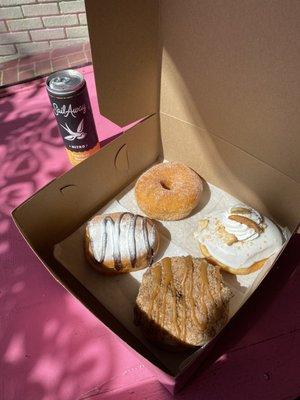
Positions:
(118, 293)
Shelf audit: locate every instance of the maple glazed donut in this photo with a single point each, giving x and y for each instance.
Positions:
(168, 191)
(182, 302)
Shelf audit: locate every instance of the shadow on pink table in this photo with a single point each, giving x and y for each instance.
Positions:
(52, 348)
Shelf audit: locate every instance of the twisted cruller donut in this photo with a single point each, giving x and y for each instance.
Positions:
(168, 191)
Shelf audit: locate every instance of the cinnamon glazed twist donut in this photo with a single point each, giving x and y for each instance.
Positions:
(168, 191)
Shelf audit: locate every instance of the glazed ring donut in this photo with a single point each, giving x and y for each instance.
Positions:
(168, 191)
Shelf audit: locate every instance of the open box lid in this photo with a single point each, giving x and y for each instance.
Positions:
(230, 69)
(124, 39)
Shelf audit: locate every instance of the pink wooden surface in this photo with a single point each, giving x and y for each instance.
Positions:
(52, 348)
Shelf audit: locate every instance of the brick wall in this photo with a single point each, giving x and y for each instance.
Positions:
(34, 26)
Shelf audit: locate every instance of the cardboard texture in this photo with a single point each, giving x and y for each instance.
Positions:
(233, 170)
(126, 55)
(85, 188)
(220, 84)
(232, 68)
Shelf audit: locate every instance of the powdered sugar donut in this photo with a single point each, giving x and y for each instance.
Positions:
(168, 191)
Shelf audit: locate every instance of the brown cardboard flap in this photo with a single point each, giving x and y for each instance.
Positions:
(65, 203)
(233, 170)
(60, 207)
(232, 67)
(126, 59)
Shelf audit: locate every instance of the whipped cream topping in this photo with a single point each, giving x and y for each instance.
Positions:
(240, 230)
(251, 245)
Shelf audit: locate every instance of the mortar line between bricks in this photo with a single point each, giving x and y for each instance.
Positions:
(11, 6)
(6, 26)
(22, 12)
(51, 65)
(18, 74)
(50, 52)
(40, 16)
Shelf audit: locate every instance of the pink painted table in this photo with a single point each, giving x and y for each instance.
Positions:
(52, 348)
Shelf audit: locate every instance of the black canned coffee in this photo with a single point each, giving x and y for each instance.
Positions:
(72, 108)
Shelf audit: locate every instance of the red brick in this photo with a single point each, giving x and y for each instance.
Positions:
(87, 46)
(43, 67)
(22, 68)
(77, 59)
(27, 74)
(60, 63)
(8, 64)
(63, 51)
(88, 55)
(25, 60)
(34, 57)
(10, 75)
(47, 34)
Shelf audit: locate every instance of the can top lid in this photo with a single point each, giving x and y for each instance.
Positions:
(64, 82)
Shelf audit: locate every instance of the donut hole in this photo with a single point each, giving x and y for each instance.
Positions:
(165, 185)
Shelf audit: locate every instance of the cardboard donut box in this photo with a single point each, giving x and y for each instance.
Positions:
(216, 85)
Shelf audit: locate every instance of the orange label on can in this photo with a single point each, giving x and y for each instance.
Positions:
(76, 157)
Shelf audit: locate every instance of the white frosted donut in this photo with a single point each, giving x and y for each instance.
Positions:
(239, 239)
(120, 242)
